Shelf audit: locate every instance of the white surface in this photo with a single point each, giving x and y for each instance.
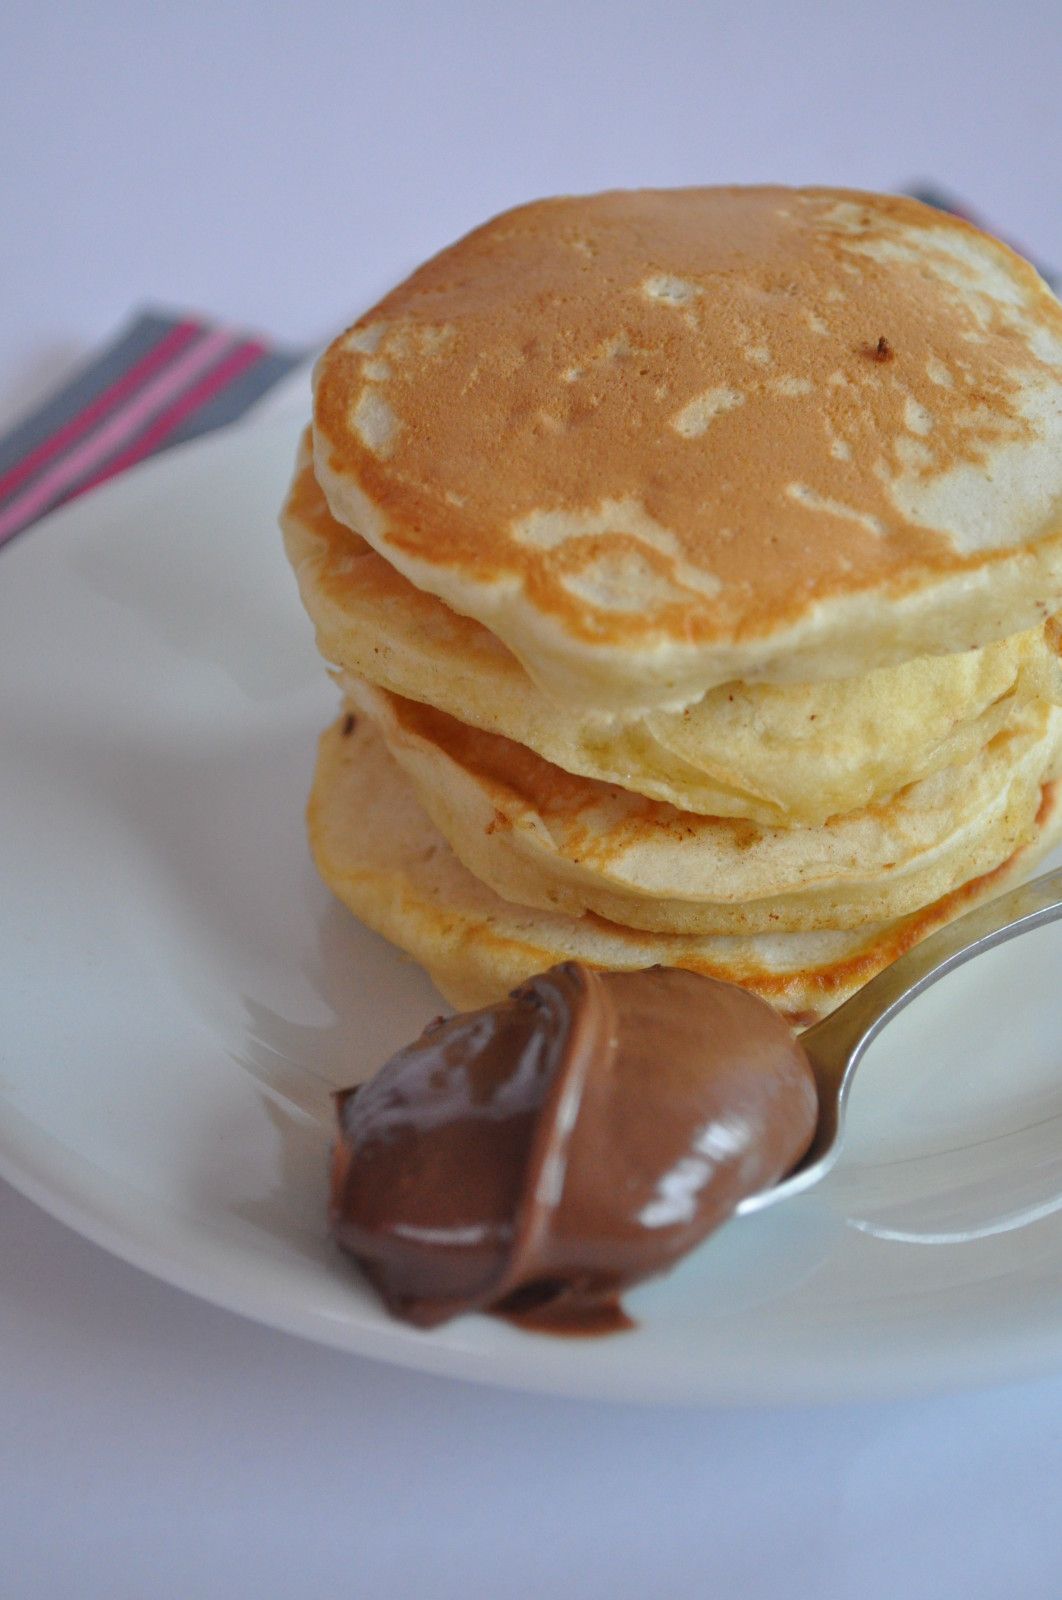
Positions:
(173, 1101)
(280, 166)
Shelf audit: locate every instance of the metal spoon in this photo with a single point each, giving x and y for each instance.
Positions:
(836, 1045)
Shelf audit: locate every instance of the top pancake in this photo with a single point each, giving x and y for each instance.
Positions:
(658, 440)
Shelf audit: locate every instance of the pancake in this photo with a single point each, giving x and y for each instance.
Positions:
(540, 837)
(378, 852)
(772, 754)
(659, 440)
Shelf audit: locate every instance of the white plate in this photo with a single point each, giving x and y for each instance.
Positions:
(180, 993)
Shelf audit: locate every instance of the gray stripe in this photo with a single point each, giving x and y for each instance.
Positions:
(91, 380)
(237, 397)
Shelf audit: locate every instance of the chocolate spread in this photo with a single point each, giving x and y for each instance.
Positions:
(537, 1157)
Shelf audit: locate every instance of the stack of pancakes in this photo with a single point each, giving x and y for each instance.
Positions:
(687, 560)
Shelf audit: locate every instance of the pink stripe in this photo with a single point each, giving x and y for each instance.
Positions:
(168, 347)
(99, 445)
(244, 356)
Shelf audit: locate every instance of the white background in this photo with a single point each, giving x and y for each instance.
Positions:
(278, 166)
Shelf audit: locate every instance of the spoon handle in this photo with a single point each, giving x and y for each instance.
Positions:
(837, 1043)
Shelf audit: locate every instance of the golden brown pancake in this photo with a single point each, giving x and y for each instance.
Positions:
(378, 852)
(658, 440)
(695, 554)
(774, 754)
(540, 837)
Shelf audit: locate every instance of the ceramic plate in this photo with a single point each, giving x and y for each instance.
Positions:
(181, 994)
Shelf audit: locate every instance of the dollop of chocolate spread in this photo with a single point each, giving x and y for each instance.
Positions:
(537, 1157)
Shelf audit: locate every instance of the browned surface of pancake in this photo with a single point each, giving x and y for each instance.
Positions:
(740, 377)
(378, 852)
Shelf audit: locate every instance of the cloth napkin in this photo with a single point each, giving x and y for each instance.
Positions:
(164, 379)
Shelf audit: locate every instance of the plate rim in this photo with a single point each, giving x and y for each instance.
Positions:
(31, 1168)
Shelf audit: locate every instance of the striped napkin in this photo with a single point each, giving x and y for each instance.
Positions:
(163, 380)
